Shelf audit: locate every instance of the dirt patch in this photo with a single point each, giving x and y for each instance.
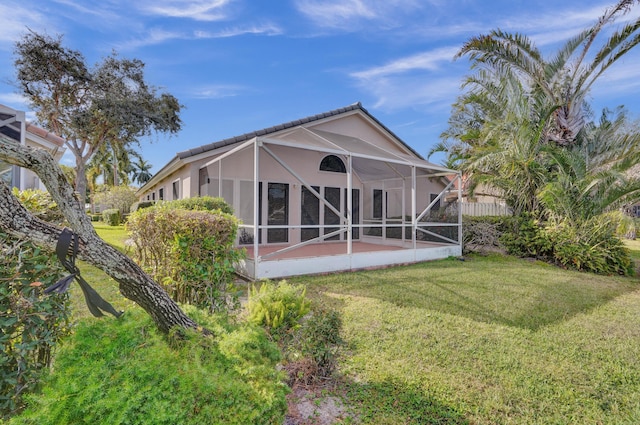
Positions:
(314, 406)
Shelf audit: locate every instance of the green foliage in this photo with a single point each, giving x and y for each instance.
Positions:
(592, 246)
(202, 203)
(41, 204)
(320, 340)
(124, 372)
(277, 307)
(111, 103)
(116, 197)
(112, 217)
(31, 323)
(140, 205)
(587, 245)
(526, 237)
(191, 253)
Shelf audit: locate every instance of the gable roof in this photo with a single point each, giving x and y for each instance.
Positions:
(291, 124)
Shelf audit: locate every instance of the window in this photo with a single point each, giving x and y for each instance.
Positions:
(436, 206)
(176, 189)
(332, 196)
(309, 214)
(355, 210)
(153, 196)
(377, 203)
(333, 164)
(278, 212)
(161, 193)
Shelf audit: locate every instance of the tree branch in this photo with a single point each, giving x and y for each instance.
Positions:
(134, 284)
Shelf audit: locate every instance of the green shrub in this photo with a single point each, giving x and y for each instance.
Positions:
(591, 246)
(111, 217)
(277, 307)
(525, 236)
(141, 205)
(116, 197)
(191, 253)
(95, 217)
(202, 203)
(40, 204)
(124, 372)
(320, 340)
(31, 323)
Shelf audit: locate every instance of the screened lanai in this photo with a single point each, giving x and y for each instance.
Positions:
(314, 201)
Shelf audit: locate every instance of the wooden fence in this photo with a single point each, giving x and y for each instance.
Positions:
(482, 209)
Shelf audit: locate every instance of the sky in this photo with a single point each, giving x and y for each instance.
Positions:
(242, 65)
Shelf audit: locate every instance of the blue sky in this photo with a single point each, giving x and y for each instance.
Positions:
(242, 65)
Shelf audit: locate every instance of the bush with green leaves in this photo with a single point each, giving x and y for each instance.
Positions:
(320, 341)
(120, 198)
(591, 246)
(525, 236)
(41, 204)
(278, 307)
(191, 253)
(31, 323)
(141, 205)
(202, 203)
(112, 217)
(125, 372)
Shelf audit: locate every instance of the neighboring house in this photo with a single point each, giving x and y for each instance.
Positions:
(14, 126)
(329, 192)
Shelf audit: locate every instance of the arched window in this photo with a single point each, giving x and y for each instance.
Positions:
(332, 163)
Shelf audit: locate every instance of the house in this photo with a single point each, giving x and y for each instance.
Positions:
(330, 192)
(14, 126)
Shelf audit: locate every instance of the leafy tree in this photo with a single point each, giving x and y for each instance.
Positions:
(141, 171)
(90, 107)
(523, 123)
(16, 221)
(116, 197)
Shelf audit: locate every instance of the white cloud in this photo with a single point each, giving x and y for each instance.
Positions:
(16, 19)
(14, 100)
(218, 91)
(264, 29)
(199, 10)
(348, 15)
(430, 61)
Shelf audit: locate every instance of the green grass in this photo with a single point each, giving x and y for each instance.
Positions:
(490, 340)
(634, 247)
(485, 341)
(106, 286)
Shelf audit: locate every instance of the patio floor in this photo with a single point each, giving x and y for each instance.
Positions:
(327, 249)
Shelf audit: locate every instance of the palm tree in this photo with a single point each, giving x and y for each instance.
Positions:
(595, 178)
(566, 78)
(141, 171)
(518, 108)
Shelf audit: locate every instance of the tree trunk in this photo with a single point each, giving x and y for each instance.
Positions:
(134, 284)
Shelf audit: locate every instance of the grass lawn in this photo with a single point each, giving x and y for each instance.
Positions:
(106, 287)
(490, 340)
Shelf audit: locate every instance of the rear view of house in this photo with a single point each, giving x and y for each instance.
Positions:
(329, 192)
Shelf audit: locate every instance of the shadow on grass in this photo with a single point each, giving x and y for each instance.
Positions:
(391, 402)
(505, 291)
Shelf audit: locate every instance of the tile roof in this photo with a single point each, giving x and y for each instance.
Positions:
(287, 125)
(59, 141)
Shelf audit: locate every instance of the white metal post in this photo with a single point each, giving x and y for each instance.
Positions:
(256, 206)
(414, 223)
(349, 206)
